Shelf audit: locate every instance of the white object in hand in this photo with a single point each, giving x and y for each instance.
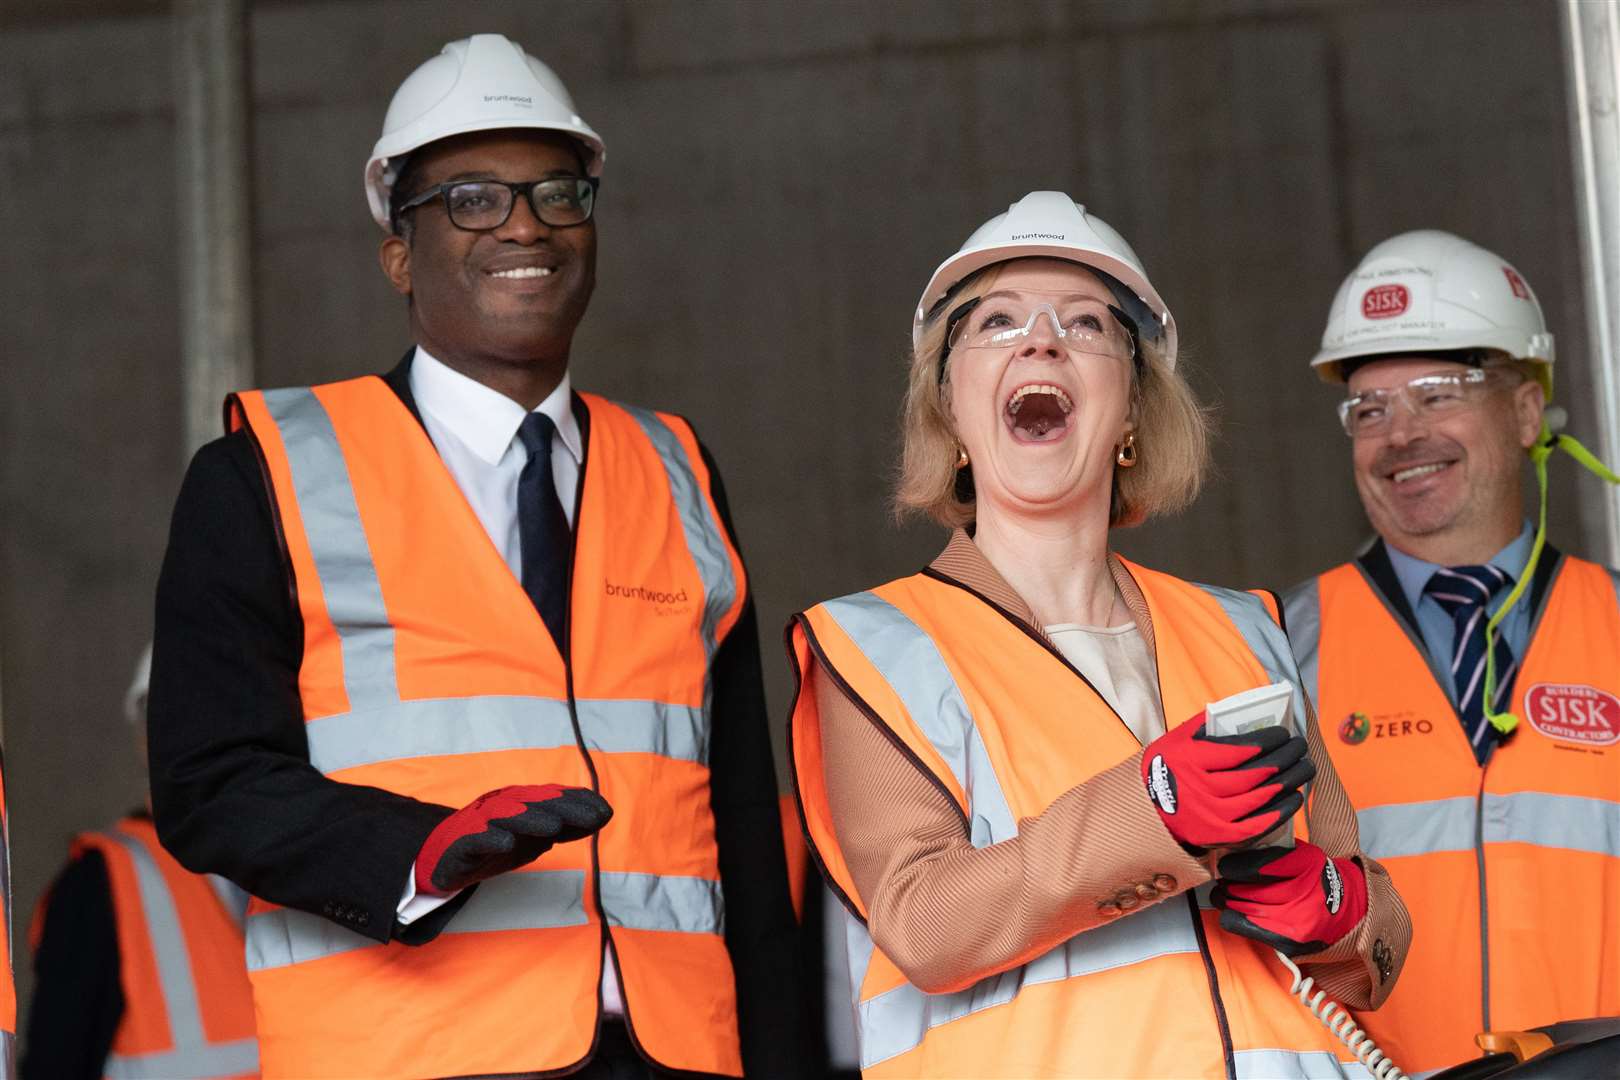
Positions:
(1264, 706)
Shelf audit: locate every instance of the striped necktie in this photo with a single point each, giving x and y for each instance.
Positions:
(1464, 592)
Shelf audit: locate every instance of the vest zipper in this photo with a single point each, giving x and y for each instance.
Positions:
(1484, 914)
(1227, 1052)
(565, 647)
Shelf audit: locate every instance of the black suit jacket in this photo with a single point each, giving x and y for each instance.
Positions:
(234, 793)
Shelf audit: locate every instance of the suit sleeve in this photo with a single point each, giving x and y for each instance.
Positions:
(233, 790)
(761, 933)
(948, 913)
(1359, 970)
(78, 999)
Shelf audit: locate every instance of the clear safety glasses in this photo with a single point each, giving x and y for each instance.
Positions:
(1429, 397)
(1007, 319)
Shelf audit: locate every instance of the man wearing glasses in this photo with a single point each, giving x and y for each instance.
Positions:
(457, 671)
(1467, 674)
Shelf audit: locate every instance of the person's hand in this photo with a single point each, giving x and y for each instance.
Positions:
(1227, 790)
(502, 830)
(1297, 900)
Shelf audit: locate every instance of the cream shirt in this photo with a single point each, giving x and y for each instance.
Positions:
(1117, 662)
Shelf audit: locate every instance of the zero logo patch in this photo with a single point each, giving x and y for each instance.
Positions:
(1355, 728)
(1574, 713)
(1162, 784)
(1384, 301)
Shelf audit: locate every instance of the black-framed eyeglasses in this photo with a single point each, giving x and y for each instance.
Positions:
(481, 205)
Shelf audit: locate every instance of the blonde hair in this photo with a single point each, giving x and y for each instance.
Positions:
(1172, 434)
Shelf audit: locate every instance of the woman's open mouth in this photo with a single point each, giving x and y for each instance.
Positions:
(1039, 412)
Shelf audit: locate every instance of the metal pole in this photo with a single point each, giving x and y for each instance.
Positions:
(212, 138)
(1592, 60)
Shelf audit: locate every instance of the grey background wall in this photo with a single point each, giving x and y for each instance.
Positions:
(782, 178)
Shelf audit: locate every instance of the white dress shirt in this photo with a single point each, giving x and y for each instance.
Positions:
(474, 428)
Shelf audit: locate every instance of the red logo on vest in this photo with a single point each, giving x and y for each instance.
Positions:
(1384, 301)
(1579, 714)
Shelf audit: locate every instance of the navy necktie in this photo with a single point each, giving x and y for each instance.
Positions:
(1464, 592)
(544, 538)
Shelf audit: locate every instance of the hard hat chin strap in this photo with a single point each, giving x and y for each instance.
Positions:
(1505, 722)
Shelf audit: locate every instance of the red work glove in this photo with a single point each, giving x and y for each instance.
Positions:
(1297, 900)
(504, 829)
(1227, 790)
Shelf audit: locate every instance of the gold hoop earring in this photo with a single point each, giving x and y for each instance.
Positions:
(1127, 452)
(961, 456)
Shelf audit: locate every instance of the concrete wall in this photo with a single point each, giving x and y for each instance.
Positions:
(782, 179)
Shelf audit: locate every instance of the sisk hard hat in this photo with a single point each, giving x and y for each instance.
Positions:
(1430, 291)
(1049, 224)
(482, 83)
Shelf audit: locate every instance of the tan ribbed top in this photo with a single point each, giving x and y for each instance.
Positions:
(949, 914)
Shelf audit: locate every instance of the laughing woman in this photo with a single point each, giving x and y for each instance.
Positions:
(1002, 761)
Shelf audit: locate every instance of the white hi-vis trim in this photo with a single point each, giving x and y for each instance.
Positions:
(1570, 822)
(910, 662)
(896, 1021)
(433, 727)
(1295, 1065)
(532, 900)
(1266, 641)
(193, 1056)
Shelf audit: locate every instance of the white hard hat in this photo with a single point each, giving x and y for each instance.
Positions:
(1430, 291)
(481, 83)
(135, 696)
(1049, 224)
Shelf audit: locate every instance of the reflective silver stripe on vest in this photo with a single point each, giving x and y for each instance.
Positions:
(8, 1055)
(337, 540)
(1420, 828)
(532, 900)
(1302, 611)
(1295, 1065)
(193, 1055)
(1569, 822)
(686, 905)
(703, 537)
(897, 1020)
(910, 662)
(1266, 641)
(475, 725)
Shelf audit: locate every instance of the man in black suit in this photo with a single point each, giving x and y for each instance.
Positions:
(485, 178)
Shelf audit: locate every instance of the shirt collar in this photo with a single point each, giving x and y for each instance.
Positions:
(486, 420)
(1413, 573)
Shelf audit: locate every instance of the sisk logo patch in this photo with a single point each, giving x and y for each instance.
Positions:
(1162, 784)
(1356, 728)
(1516, 283)
(1384, 301)
(1332, 887)
(1573, 713)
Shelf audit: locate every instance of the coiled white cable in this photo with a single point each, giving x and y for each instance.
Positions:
(1337, 1019)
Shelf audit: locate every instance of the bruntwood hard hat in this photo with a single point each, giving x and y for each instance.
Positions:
(1049, 224)
(1429, 291)
(481, 83)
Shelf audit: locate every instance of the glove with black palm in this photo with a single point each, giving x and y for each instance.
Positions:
(1225, 791)
(504, 829)
(1297, 900)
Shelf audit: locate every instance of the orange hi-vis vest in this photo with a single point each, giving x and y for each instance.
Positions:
(1001, 723)
(1511, 872)
(8, 985)
(427, 671)
(188, 1009)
